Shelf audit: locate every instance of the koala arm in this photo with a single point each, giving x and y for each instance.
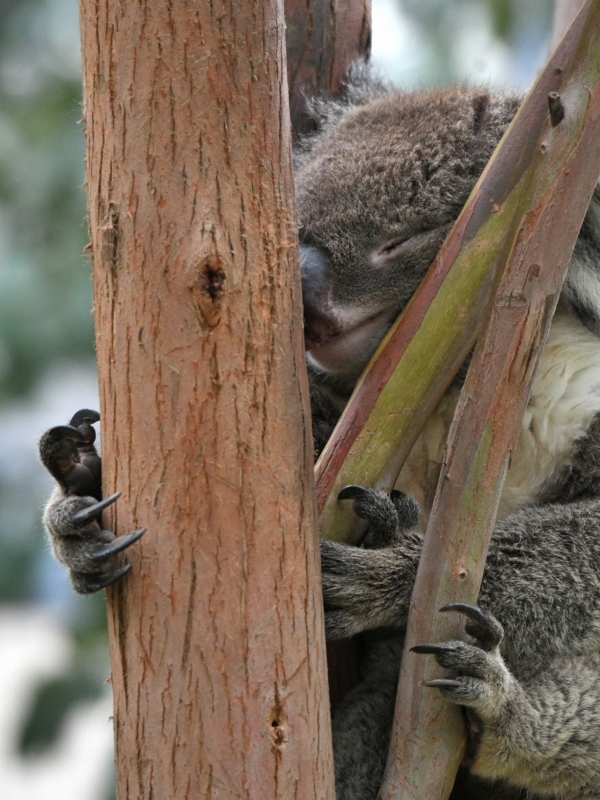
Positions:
(530, 680)
(73, 513)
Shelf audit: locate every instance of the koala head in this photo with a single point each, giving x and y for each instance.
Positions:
(377, 190)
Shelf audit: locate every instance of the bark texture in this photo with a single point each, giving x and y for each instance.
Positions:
(323, 39)
(217, 642)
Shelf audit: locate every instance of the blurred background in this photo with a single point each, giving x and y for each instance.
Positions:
(55, 733)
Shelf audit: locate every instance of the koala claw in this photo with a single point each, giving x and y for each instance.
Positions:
(426, 649)
(69, 454)
(81, 518)
(89, 582)
(352, 492)
(482, 625)
(388, 515)
(109, 550)
(73, 514)
(481, 680)
(85, 416)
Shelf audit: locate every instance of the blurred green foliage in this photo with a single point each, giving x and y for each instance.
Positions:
(502, 42)
(50, 706)
(45, 289)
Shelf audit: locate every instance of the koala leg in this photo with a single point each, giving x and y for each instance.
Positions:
(362, 727)
(541, 734)
(362, 723)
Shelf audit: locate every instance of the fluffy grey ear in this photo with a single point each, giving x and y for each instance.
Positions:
(365, 83)
(362, 84)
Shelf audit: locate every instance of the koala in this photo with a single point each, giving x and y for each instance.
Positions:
(378, 187)
(377, 190)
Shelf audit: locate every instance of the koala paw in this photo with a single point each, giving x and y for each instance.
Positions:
(388, 515)
(73, 515)
(367, 588)
(80, 543)
(479, 678)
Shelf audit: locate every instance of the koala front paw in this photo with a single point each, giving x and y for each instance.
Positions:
(79, 542)
(70, 456)
(388, 514)
(367, 588)
(479, 678)
(73, 515)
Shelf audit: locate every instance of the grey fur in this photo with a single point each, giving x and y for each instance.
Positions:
(377, 190)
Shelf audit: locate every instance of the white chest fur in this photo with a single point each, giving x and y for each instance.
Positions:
(565, 397)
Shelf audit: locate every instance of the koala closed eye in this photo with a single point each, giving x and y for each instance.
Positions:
(388, 251)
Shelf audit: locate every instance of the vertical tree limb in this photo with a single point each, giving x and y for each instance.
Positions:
(216, 636)
(323, 38)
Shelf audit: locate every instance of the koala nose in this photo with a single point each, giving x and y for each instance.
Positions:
(319, 327)
(314, 271)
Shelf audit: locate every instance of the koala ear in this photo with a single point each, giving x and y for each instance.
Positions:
(363, 84)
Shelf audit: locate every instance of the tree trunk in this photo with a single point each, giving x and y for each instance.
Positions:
(323, 38)
(216, 635)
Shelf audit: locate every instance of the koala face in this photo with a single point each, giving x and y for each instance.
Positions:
(377, 190)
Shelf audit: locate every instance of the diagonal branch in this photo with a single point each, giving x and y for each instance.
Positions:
(547, 207)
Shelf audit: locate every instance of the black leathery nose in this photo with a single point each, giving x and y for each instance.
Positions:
(314, 271)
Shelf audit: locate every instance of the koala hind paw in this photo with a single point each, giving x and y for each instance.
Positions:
(479, 678)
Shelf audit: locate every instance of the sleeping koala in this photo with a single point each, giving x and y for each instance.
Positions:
(378, 188)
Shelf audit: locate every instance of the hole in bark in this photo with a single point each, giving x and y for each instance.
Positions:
(212, 281)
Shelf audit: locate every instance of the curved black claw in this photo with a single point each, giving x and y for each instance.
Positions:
(108, 550)
(470, 611)
(442, 683)
(352, 492)
(60, 432)
(85, 415)
(88, 584)
(81, 518)
(482, 625)
(427, 648)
